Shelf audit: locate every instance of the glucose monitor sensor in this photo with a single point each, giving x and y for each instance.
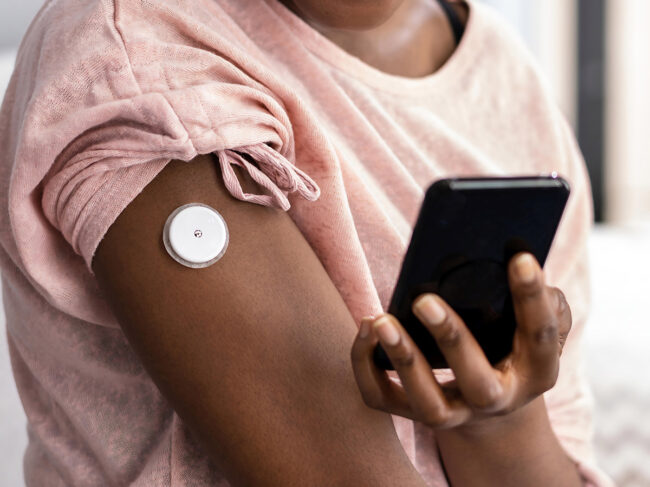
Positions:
(195, 235)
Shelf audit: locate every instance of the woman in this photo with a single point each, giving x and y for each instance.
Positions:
(313, 127)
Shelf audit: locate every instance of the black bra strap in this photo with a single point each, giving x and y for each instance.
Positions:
(454, 20)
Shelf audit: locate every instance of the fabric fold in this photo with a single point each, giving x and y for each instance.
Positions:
(106, 92)
(271, 171)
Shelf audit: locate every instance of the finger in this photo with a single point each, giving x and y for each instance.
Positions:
(478, 381)
(563, 313)
(424, 394)
(537, 322)
(377, 390)
(562, 310)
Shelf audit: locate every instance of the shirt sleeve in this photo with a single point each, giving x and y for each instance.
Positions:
(105, 131)
(570, 401)
(99, 176)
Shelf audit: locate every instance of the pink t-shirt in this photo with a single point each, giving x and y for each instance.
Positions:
(106, 92)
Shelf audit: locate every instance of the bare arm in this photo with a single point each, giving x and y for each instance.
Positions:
(253, 352)
(491, 423)
(519, 450)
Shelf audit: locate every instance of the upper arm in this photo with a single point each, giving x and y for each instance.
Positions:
(253, 351)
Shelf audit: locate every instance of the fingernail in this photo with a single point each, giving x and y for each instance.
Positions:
(430, 310)
(386, 331)
(525, 268)
(364, 328)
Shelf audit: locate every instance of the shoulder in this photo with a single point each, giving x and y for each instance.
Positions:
(491, 24)
(502, 52)
(99, 37)
(69, 46)
(82, 55)
(502, 86)
(502, 68)
(61, 25)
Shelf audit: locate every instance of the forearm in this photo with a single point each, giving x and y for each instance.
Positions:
(522, 450)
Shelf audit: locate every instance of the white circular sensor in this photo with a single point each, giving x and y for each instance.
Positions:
(195, 235)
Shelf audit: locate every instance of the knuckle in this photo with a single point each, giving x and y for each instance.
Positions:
(545, 382)
(563, 310)
(562, 301)
(527, 291)
(549, 380)
(448, 335)
(562, 338)
(489, 397)
(568, 320)
(541, 387)
(435, 416)
(403, 357)
(546, 333)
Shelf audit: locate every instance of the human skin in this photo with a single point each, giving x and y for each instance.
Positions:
(208, 335)
(252, 352)
(488, 414)
(410, 38)
(489, 404)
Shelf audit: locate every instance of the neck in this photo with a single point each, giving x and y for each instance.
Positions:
(414, 42)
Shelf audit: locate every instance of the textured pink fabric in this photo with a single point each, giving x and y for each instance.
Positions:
(106, 92)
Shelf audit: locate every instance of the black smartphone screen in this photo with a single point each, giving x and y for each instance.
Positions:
(466, 232)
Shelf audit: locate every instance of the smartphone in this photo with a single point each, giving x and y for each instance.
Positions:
(465, 234)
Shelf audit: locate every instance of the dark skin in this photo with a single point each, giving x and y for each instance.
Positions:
(266, 328)
(486, 413)
(410, 38)
(253, 352)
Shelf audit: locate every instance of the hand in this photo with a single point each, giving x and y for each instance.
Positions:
(479, 393)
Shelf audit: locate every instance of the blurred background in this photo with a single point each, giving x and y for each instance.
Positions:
(594, 54)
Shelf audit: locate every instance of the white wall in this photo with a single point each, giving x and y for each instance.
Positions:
(15, 16)
(627, 173)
